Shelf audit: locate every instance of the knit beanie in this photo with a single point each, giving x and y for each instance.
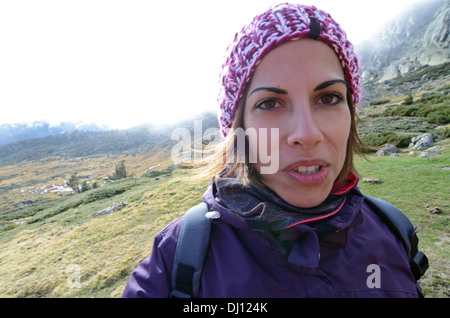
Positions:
(267, 31)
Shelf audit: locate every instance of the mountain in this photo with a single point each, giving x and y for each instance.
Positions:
(78, 143)
(20, 131)
(417, 40)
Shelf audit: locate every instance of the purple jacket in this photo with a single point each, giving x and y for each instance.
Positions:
(358, 257)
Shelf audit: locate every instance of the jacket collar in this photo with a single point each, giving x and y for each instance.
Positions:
(247, 208)
(263, 209)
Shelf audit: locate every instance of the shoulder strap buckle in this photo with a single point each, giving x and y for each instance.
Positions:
(419, 264)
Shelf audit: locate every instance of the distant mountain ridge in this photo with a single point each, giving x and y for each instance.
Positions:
(19, 131)
(79, 143)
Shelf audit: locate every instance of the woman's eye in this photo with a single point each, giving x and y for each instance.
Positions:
(331, 99)
(267, 104)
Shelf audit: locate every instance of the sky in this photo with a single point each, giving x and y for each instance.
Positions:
(122, 63)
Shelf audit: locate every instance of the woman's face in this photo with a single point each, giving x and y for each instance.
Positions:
(299, 89)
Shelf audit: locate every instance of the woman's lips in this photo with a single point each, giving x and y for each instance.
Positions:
(308, 172)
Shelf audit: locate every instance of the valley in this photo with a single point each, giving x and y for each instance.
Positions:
(29, 181)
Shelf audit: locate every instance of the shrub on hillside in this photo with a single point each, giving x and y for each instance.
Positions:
(379, 102)
(374, 141)
(399, 125)
(408, 100)
(444, 132)
(439, 115)
(106, 192)
(434, 108)
(75, 201)
(15, 213)
(120, 171)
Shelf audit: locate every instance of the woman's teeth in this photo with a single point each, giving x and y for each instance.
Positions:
(307, 169)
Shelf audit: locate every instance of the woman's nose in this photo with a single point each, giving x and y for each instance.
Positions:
(303, 129)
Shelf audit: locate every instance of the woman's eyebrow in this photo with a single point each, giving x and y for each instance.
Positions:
(329, 83)
(270, 89)
(284, 92)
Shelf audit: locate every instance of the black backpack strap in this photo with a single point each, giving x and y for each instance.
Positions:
(400, 224)
(190, 252)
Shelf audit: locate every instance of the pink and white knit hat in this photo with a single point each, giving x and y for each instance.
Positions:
(267, 31)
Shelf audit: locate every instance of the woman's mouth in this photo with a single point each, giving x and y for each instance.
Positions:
(307, 170)
(308, 173)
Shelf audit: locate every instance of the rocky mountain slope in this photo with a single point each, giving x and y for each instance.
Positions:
(417, 40)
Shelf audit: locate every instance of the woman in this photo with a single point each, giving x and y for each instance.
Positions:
(303, 229)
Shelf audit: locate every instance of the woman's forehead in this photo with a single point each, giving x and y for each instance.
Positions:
(303, 59)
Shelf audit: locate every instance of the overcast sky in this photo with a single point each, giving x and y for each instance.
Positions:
(123, 63)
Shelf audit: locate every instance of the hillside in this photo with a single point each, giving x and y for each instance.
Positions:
(77, 143)
(81, 144)
(406, 76)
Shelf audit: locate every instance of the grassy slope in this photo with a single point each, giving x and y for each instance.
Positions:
(36, 260)
(412, 183)
(40, 259)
